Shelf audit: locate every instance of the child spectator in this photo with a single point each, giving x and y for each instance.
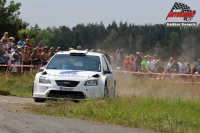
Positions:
(13, 67)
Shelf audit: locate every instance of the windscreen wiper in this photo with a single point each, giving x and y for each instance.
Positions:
(52, 68)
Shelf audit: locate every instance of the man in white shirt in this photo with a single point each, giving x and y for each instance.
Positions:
(183, 67)
(150, 65)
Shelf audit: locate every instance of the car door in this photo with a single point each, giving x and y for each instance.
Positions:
(109, 76)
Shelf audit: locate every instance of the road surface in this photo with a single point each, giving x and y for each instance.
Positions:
(14, 120)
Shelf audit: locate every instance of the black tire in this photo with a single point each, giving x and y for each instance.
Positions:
(40, 100)
(106, 92)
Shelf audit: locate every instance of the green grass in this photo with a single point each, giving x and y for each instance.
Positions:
(16, 85)
(144, 103)
(162, 115)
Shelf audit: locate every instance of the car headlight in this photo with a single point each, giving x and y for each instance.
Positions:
(91, 83)
(44, 80)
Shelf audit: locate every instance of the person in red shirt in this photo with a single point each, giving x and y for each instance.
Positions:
(127, 63)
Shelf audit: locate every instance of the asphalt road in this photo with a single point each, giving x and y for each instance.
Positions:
(19, 122)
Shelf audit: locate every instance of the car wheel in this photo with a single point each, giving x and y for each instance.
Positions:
(39, 99)
(106, 92)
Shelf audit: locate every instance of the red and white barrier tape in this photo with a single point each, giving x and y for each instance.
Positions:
(143, 73)
(21, 65)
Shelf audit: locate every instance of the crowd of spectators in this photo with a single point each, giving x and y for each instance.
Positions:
(12, 55)
(23, 53)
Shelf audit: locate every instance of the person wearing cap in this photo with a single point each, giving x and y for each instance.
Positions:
(35, 58)
(44, 56)
(79, 48)
(21, 41)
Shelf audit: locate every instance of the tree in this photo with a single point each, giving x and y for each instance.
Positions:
(111, 39)
(174, 44)
(9, 17)
(131, 42)
(139, 42)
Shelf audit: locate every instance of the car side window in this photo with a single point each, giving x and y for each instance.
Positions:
(104, 63)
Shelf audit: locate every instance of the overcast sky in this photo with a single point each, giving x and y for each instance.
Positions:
(49, 13)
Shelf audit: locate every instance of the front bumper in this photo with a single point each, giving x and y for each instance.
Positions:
(80, 92)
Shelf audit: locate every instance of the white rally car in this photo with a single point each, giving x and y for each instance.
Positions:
(75, 75)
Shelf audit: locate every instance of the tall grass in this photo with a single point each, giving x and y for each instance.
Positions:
(141, 102)
(20, 85)
(162, 115)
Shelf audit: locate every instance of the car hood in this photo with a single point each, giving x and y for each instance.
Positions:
(75, 75)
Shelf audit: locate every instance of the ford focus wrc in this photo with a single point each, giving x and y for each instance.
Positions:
(75, 75)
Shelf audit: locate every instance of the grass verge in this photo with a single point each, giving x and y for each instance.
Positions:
(161, 115)
(16, 85)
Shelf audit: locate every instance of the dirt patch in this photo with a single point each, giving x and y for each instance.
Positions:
(15, 104)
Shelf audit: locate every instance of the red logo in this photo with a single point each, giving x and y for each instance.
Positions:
(180, 10)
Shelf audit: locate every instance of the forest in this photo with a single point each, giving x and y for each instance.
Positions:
(148, 38)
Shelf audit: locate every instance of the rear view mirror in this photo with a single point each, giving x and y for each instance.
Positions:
(107, 72)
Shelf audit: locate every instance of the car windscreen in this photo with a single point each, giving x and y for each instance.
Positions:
(68, 62)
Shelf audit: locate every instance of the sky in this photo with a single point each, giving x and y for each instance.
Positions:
(69, 13)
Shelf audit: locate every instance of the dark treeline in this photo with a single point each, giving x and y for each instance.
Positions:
(148, 39)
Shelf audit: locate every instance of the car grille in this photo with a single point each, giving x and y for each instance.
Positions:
(66, 94)
(66, 83)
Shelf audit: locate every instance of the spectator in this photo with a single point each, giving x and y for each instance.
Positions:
(137, 61)
(99, 51)
(198, 63)
(35, 58)
(17, 56)
(44, 56)
(51, 53)
(120, 59)
(28, 43)
(21, 41)
(174, 67)
(159, 65)
(25, 57)
(9, 56)
(11, 40)
(58, 49)
(5, 44)
(169, 64)
(150, 65)
(79, 48)
(188, 64)
(144, 64)
(5, 37)
(13, 68)
(183, 67)
(127, 63)
(70, 48)
(194, 68)
(13, 46)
